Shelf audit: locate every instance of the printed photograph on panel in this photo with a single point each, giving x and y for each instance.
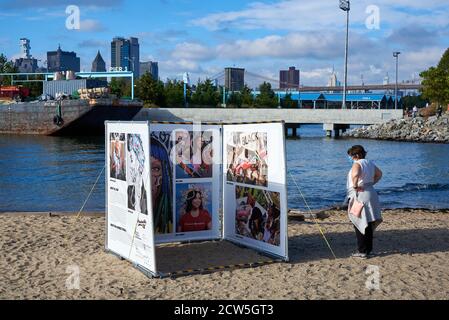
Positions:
(258, 215)
(194, 207)
(247, 158)
(161, 182)
(137, 196)
(117, 156)
(194, 154)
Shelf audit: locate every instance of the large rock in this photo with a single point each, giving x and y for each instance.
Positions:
(433, 129)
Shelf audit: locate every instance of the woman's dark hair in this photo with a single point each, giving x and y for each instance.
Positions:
(190, 197)
(357, 151)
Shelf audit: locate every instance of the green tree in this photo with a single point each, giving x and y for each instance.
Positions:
(267, 97)
(247, 97)
(36, 88)
(288, 102)
(444, 62)
(435, 85)
(206, 94)
(120, 87)
(408, 102)
(174, 94)
(436, 81)
(151, 91)
(234, 100)
(6, 67)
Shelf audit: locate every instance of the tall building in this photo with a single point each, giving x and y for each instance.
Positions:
(26, 63)
(234, 79)
(125, 54)
(289, 79)
(386, 80)
(63, 61)
(151, 67)
(333, 81)
(25, 48)
(98, 65)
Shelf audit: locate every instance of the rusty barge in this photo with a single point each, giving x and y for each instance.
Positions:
(66, 117)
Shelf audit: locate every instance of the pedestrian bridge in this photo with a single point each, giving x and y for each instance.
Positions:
(332, 119)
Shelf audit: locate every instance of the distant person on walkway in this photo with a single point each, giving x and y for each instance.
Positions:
(415, 112)
(439, 111)
(360, 186)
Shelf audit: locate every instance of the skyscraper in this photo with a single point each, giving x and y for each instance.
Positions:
(289, 79)
(125, 54)
(26, 63)
(151, 67)
(98, 65)
(234, 79)
(63, 61)
(333, 81)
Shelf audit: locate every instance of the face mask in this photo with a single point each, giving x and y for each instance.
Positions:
(351, 161)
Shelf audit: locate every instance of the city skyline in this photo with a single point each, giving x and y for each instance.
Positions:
(262, 37)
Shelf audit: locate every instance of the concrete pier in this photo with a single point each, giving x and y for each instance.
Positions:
(335, 121)
(335, 128)
(294, 129)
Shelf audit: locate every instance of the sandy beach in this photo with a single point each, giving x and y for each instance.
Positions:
(37, 251)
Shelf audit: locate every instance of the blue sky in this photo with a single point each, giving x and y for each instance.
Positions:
(264, 36)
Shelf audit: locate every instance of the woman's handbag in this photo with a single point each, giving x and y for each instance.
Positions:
(356, 208)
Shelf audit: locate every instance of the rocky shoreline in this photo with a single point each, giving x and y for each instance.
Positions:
(432, 130)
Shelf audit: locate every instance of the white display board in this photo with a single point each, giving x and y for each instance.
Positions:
(128, 195)
(186, 181)
(254, 187)
(170, 182)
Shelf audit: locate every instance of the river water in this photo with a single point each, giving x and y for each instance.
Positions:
(57, 173)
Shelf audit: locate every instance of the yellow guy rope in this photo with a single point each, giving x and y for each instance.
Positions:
(314, 218)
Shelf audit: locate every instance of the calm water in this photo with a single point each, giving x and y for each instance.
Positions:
(57, 174)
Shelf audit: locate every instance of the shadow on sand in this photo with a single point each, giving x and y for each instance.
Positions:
(302, 249)
(308, 248)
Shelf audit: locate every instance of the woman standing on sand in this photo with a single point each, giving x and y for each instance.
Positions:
(360, 187)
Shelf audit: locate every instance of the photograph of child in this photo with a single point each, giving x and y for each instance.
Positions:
(194, 207)
(258, 215)
(247, 158)
(117, 156)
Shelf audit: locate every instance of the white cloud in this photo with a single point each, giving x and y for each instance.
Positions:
(311, 45)
(193, 51)
(375, 70)
(90, 25)
(180, 66)
(295, 15)
(316, 74)
(315, 37)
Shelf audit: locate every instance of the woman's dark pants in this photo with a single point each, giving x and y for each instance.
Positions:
(365, 242)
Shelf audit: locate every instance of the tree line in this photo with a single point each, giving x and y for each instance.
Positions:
(436, 82)
(155, 93)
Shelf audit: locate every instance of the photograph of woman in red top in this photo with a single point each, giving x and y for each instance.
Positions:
(196, 217)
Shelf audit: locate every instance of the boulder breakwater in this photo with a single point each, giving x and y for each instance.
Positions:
(432, 130)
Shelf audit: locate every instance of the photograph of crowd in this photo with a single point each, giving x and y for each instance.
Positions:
(247, 158)
(194, 207)
(194, 154)
(258, 215)
(117, 156)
